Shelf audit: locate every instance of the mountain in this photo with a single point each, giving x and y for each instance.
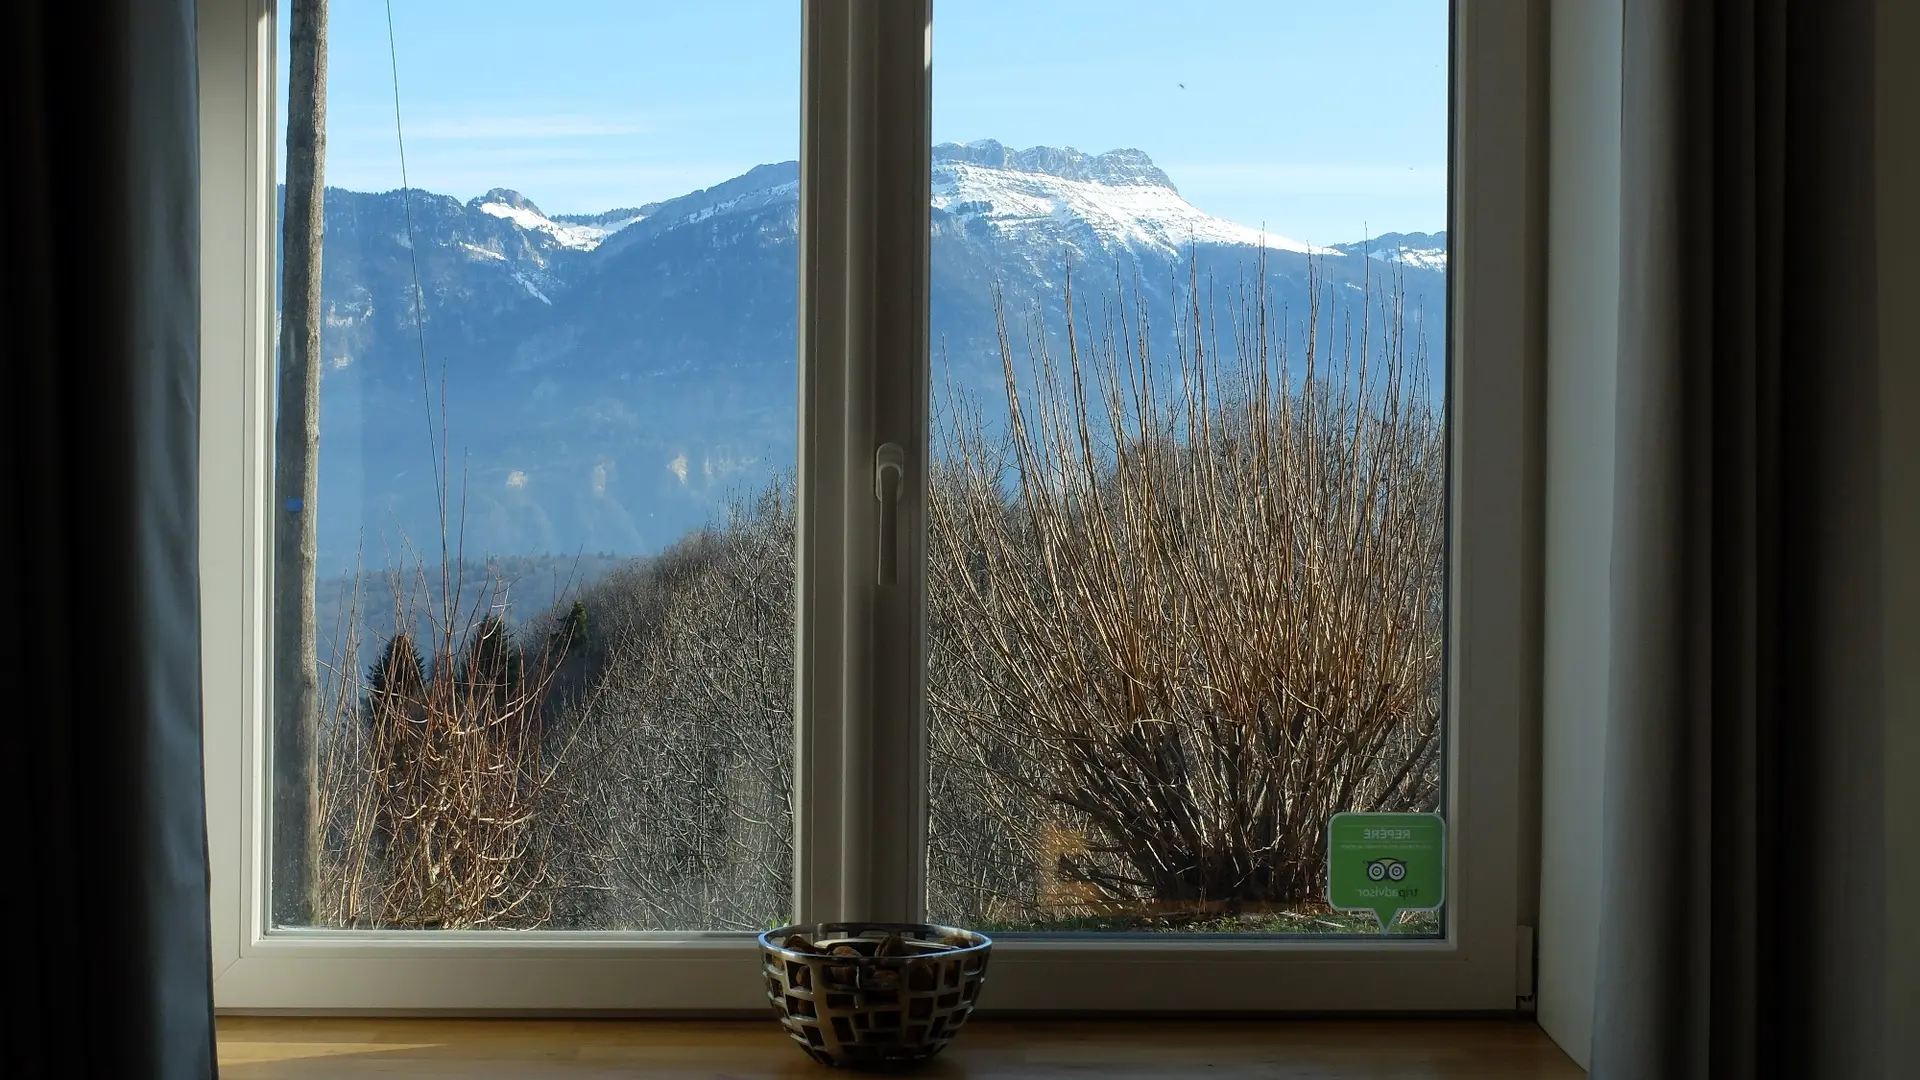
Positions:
(612, 380)
(1419, 251)
(1080, 203)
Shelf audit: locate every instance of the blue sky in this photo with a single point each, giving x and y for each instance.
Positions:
(1321, 120)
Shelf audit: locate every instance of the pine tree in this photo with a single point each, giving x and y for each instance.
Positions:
(395, 711)
(494, 664)
(397, 681)
(571, 631)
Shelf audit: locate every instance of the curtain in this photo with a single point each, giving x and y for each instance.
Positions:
(1742, 897)
(106, 869)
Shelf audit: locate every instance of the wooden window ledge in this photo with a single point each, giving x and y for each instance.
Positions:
(282, 1048)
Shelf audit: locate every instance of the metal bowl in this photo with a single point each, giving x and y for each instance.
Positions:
(868, 1011)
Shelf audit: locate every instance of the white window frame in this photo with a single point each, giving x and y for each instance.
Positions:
(861, 829)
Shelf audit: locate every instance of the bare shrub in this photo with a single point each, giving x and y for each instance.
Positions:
(440, 798)
(1187, 609)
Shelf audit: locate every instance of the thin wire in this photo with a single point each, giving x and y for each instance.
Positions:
(419, 294)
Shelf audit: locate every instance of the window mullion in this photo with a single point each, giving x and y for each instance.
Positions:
(903, 160)
(860, 814)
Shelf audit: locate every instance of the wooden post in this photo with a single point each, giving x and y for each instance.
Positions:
(296, 693)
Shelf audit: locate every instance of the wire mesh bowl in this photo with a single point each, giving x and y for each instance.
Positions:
(894, 994)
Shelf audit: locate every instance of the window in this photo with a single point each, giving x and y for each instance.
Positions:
(1186, 563)
(552, 503)
(680, 637)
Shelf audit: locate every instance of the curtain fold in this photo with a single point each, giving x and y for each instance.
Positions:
(108, 965)
(1741, 900)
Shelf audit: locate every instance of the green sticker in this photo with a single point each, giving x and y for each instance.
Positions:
(1386, 863)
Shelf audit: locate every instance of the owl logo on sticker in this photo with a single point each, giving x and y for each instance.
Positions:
(1386, 870)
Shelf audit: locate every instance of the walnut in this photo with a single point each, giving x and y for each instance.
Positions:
(798, 943)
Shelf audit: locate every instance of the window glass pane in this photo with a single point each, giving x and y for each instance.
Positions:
(1188, 501)
(552, 576)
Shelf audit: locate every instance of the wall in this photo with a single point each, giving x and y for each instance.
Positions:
(1583, 258)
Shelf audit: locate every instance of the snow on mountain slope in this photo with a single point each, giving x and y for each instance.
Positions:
(1419, 258)
(1416, 258)
(520, 210)
(1118, 197)
(1415, 251)
(1045, 196)
(764, 187)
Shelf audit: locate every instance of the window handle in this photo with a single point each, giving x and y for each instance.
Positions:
(889, 473)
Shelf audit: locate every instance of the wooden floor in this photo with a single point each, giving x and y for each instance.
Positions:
(259, 1048)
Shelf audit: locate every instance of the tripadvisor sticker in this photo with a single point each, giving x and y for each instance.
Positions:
(1386, 863)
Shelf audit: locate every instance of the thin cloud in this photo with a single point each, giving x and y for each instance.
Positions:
(1312, 178)
(455, 128)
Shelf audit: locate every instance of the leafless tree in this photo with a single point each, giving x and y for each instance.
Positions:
(686, 735)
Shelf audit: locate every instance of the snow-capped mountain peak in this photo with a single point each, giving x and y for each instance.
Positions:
(1116, 199)
(1044, 198)
(1126, 167)
(580, 236)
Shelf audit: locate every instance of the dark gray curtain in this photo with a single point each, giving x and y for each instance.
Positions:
(106, 861)
(1742, 897)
